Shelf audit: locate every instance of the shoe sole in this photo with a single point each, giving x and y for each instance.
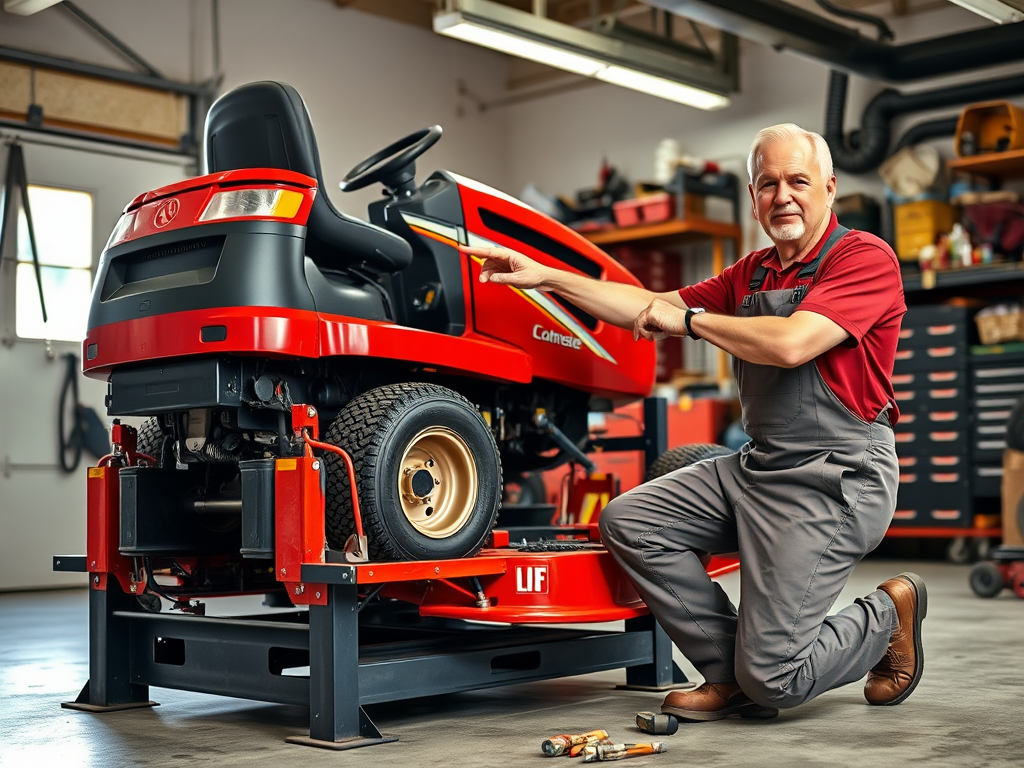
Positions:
(750, 711)
(919, 614)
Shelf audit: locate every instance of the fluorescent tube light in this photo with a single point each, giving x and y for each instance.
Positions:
(666, 89)
(994, 10)
(27, 7)
(453, 25)
(528, 36)
(1001, 13)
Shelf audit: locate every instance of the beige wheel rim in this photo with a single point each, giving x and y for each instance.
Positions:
(438, 482)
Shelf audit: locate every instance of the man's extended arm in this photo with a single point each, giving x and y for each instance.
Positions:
(615, 303)
(785, 342)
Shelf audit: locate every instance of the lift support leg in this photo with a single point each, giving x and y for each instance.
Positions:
(109, 687)
(336, 720)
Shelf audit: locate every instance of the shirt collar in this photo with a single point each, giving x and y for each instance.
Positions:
(772, 261)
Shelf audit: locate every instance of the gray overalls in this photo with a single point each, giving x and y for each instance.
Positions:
(802, 502)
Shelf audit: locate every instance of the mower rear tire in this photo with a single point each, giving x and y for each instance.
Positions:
(427, 470)
(151, 439)
(683, 456)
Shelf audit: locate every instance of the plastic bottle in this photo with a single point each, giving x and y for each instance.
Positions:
(960, 247)
(666, 157)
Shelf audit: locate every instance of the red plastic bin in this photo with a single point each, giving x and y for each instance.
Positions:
(644, 210)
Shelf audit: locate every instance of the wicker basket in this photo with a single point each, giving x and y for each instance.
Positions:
(1000, 327)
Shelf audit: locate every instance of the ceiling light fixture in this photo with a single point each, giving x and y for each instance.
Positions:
(1008, 12)
(534, 37)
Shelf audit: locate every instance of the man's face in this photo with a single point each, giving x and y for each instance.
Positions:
(789, 194)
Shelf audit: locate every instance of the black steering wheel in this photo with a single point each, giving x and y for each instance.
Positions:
(394, 165)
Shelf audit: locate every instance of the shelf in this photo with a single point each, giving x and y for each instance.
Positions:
(679, 230)
(1002, 165)
(977, 275)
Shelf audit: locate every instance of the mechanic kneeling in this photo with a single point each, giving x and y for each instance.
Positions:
(812, 324)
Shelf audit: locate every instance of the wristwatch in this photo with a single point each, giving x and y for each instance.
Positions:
(688, 317)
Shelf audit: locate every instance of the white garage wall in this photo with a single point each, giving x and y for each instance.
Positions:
(367, 81)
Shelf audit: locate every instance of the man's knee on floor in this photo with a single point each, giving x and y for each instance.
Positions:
(769, 690)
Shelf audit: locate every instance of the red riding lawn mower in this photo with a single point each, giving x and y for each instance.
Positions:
(238, 312)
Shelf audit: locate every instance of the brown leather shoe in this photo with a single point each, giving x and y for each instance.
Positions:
(896, 676)
(714, 701)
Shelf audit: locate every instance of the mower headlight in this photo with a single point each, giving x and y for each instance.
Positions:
(122, 230)
(262, 203)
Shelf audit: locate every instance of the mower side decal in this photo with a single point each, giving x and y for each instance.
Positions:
(454, 236)
(532, 578)
(546, 305)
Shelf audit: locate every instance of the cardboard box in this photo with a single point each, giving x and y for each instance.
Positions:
(1013, 497)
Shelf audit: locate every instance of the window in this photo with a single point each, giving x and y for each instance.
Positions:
(62, 220)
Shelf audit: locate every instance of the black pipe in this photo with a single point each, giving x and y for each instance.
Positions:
(874, 136)
(782, 25)
(929, 129)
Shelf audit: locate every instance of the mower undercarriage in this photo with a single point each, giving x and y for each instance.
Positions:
(355, 631)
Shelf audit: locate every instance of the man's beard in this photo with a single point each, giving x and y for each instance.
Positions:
(787, 232)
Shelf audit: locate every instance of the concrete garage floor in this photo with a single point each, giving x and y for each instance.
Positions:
(966, 712)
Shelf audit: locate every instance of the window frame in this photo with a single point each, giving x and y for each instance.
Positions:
(9, 266)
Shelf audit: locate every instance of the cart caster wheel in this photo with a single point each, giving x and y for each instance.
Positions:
(959, 551)
(986, 579)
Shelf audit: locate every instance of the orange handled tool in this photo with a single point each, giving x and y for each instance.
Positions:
(563, 743)
(598, 752)
(577, 749)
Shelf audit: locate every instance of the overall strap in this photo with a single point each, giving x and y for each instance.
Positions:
(812, 267)
(758, 279)
(809, 269)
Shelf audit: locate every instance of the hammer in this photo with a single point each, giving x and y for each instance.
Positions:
(656, 723)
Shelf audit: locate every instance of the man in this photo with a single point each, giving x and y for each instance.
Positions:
(812, 324)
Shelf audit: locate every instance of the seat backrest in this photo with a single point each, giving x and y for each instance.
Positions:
(266, 125)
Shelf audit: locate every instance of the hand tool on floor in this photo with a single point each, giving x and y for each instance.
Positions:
(599, 752)
(656, 723)
(577, 749)
(563, 743)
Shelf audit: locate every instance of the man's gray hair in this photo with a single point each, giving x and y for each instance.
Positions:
(788, 132)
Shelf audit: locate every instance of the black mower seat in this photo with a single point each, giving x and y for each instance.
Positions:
(266, 125)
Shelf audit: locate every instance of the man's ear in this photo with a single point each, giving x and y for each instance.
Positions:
(830, 188)
(753, 201)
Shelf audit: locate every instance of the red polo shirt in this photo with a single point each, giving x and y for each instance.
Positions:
(857, 286)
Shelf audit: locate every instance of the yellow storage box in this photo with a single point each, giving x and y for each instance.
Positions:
(919, 224)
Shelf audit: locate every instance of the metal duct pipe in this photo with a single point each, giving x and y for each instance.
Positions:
(785, 26)
(873, 138)
(930, 129)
